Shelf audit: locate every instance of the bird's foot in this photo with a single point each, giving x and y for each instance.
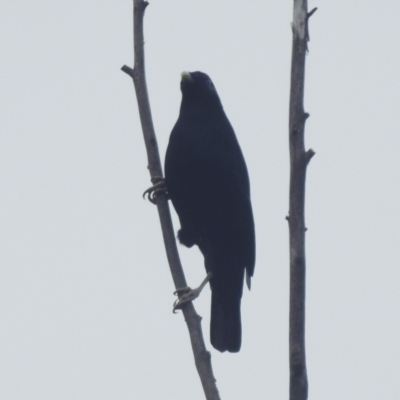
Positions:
(155, 190)
(186, 294)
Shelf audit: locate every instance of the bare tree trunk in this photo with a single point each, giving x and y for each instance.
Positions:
(299, 160)
(201, 355)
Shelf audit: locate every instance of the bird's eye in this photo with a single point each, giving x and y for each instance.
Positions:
(209, 84)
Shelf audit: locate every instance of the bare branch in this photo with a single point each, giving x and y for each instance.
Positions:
(309, 155)
(201, 355)
(299, 160)
(311, 12)
(127, 70)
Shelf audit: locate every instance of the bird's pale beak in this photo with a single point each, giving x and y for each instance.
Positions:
(186, 76)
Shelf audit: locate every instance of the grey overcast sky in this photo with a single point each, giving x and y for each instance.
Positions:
(85, 291)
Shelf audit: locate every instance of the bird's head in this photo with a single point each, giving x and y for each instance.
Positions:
(197, 88)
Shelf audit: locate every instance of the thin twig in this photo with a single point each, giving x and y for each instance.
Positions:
(299, 160)
(201, 355)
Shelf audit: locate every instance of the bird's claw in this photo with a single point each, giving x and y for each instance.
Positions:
(185, 295)
(158, 188)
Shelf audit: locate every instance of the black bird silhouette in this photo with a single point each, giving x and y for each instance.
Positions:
(207, 180)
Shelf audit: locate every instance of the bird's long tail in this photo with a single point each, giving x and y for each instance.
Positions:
(226, 329)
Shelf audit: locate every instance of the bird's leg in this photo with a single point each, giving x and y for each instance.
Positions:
(187, 294)
(157, 188)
